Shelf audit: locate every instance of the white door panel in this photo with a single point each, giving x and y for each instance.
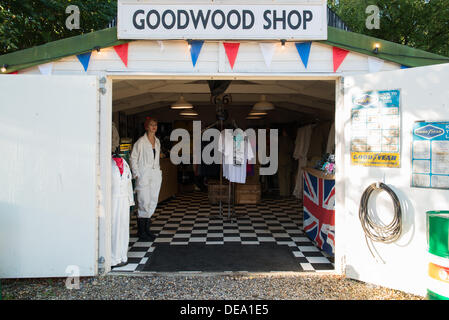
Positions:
(48, 140)
(424, 96)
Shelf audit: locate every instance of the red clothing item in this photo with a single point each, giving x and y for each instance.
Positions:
(119, 162)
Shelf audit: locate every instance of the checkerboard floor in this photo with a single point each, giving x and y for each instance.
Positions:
(190, 218)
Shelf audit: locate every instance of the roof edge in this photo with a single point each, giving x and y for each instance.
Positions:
(351, 41)
(58, 49)
(389, 51)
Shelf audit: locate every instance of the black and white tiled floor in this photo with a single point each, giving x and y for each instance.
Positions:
(190, 218)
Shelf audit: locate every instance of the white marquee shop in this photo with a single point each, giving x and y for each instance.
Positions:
(59, 101)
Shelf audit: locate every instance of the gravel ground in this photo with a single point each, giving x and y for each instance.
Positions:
(202, 287)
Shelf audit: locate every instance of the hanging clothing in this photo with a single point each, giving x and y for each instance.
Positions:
(119, 163)
(122, 200)
(285, 165)
(302, 144)
(318, 143)
(237, 151)
(115, 138)
(331, 140)
(145, 167)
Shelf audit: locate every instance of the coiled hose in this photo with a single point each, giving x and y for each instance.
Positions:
(375, 231)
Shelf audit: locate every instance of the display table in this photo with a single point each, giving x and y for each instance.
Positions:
(319, 208)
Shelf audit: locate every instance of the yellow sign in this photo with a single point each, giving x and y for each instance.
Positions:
(375, 159)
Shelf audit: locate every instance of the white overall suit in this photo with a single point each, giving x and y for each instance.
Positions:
(122, 199)
(145, 166)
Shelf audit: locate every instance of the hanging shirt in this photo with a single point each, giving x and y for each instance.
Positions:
(236, 153)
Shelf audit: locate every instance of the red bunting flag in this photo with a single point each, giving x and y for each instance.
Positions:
(122, 51)
(231, 51)
(339, 57)
(15, 72)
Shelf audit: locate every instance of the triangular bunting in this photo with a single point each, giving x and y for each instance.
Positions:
(195, 50)
(375, 64)
(267, 49)
(15, 72)
(46, 69)
(232, 50)
(84, 59)
(339, 56)
(304, 51)
(122, 51)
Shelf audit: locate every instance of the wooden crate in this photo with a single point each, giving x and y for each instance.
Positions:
(214, 192)
(248, 193)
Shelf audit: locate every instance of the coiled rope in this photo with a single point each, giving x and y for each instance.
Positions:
(377, 231)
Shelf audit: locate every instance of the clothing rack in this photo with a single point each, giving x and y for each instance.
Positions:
(231, 187)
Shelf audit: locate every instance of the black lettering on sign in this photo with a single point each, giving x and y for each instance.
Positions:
(308, 16)
(158, 19)
(281, 19)
(187, 19)
(239, 19)
(141, 25)
(164, 20)
(247, 25)
(267, 19)
(290, 23)
(200, 16)
(214, 20)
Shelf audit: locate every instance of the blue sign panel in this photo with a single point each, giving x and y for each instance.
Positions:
(430, 155)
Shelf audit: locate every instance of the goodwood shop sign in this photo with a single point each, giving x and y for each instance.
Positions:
(224, 20)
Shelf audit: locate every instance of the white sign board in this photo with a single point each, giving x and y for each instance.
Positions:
(206, 21)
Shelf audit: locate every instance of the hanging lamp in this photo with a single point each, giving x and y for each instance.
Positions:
(181, 104)
(263, 105)
(189, 113)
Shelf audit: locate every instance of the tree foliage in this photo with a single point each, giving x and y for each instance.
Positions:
(27, 23)
(422, 24)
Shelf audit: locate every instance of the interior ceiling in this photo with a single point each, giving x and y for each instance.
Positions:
(291, 98)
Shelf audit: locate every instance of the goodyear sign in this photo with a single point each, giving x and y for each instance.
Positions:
(376, 129)
(371, 159)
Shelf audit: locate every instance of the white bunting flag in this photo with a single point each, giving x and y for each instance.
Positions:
(267, 49)
(46, 69)
(375, 64)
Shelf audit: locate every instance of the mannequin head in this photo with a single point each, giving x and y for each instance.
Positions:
(151, 125)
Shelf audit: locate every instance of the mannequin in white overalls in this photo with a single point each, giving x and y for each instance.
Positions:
(122, 200)
(145, 167)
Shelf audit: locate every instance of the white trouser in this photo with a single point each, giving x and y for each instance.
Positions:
(120, 229)
(148, 187)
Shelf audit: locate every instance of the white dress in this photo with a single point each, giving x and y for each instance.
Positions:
(145, 166)
(122, 200)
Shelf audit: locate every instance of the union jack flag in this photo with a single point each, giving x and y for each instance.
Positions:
(319, 211)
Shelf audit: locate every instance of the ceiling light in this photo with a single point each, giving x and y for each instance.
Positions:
(257, 113)
(191, 113)
(263, 104)
(253, 118)
(181, 104)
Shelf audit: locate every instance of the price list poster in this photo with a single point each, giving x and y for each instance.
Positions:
(430, 155)
(375, 129)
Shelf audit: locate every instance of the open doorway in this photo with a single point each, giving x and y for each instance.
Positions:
(262, 228)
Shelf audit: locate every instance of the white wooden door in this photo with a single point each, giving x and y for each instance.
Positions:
(48, 143)
(424, 95)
